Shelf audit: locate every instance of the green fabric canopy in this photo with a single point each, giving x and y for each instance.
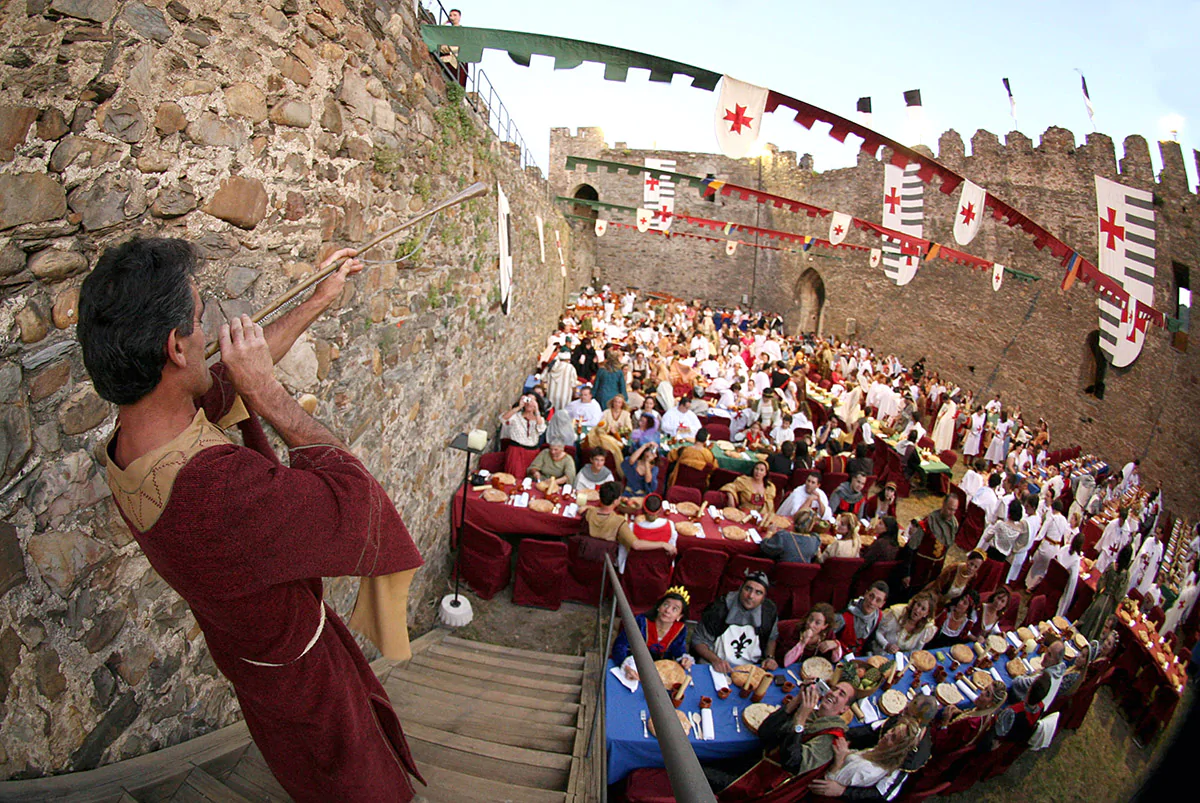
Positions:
(567, 53)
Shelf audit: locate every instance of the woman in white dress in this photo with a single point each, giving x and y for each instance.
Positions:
(997, 450)
(943, 428)
(877, 768)
(974, 433)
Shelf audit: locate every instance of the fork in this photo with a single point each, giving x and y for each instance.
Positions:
(645, 733)
(737, 721)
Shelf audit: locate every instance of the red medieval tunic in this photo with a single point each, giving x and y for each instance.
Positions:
(245, 540)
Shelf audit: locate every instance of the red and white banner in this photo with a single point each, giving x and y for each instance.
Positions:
(658, 192)
(739, 116)
(903, 211)
(970, 213)
(1125, 221)
(839, 227)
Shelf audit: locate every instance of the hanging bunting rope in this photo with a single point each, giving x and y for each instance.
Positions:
(567, 53)
(570, 53)
(917, 246)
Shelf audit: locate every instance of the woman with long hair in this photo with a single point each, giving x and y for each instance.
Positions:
(908, 627)
(817, 637)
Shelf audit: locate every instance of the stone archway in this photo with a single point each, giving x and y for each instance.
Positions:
(585, 192)
(810, 300)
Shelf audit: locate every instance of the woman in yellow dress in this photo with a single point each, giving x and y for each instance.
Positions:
(754, 492)
(610, 434)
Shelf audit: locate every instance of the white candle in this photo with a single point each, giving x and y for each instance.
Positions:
(476, 440)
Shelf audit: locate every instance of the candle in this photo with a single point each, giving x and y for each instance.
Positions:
(477, 440)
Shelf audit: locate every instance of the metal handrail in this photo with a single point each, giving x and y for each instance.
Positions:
(688, 783)
(498, 117)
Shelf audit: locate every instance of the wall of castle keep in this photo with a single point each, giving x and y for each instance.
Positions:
(268, 134)
(1026, 342)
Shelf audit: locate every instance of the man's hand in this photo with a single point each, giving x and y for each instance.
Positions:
(246, 354)
(330, 289)
(827, 788)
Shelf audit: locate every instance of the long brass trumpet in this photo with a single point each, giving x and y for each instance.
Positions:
(474, 191)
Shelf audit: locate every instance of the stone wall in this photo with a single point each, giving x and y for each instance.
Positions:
(1026, 342)
(268, 134)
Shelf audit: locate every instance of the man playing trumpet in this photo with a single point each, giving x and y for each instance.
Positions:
(244, 538)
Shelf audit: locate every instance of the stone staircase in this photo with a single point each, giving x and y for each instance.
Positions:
(485, 723)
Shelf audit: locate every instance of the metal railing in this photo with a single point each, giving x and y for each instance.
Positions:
(480, 94)
(683, 768)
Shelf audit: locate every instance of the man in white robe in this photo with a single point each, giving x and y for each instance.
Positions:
(971, 445)
(1145, 565)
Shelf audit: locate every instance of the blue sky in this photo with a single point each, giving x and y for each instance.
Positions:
(1139, 60)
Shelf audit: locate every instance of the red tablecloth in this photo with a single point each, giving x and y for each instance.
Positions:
(504, 519)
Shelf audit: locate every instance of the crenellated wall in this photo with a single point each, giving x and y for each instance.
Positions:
(1027, 341)
(267, 133)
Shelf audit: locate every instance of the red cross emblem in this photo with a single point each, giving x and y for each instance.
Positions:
(968, 213)
(737, 118)
(837, 229)
(1111, 228)
(892, 200)
(652, 184)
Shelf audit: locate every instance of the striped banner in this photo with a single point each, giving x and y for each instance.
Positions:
(658, 191)
(1126, 253)
(904, 211)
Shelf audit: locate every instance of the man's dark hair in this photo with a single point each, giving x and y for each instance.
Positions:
(1039, 689)
(139, 291)
(995, 480)
(610, 492)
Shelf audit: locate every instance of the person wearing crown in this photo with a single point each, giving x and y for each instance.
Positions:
(664, 630)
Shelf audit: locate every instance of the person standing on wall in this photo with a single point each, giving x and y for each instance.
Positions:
(244, 538)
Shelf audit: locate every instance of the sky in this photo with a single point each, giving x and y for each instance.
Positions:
(1139, 59)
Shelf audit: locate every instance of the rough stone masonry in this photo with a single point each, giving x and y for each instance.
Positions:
(1026, 342)
(267, 133)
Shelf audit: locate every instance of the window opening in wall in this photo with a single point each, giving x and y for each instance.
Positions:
(1183, 305)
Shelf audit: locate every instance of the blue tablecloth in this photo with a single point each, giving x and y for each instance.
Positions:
(628, 750)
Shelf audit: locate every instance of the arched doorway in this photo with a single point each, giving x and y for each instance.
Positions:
(585, 192)
(810, 298)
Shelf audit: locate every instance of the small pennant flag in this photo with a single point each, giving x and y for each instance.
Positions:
(912, 97)
(997, 276)
(876, 256)
(730, 247)
(643, 217)
(839, 227)
(969, 214)
(1072, 266)
(601, 227)
(1087, 99)
(1012, 102)
(738, 117)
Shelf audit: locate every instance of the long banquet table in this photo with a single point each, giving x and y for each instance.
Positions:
(629, 750)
